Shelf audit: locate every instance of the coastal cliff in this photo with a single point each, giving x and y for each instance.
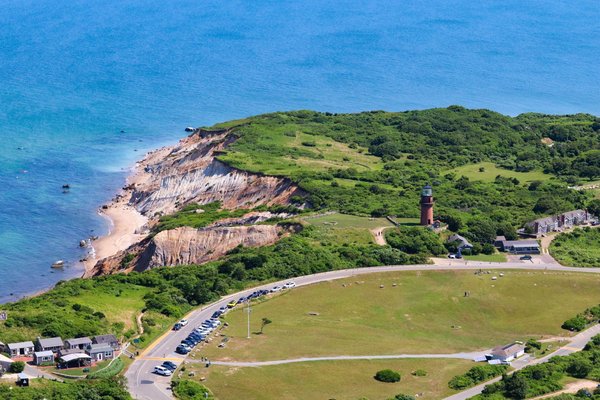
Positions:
(170, 178)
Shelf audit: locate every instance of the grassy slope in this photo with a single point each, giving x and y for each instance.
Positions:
(330, 380)
(341, 228)
(415, 316)
(580, 248)
(490, 172)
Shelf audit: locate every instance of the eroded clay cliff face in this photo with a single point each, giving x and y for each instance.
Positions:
(189, 173)
(187, 245)
(170, 178)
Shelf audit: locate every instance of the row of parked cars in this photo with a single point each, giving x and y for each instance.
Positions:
(200, 333)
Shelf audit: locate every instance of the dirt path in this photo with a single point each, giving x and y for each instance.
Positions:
(379, 235)
(572, 387)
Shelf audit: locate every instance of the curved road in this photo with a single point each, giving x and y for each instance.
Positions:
(144, 385)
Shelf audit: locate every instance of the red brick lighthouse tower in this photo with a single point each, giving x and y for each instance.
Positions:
(427, 206)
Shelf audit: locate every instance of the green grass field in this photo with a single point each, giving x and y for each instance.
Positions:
(339, 380)
(425, 312)
(342, 228)
(490, 172)
(580, 248)
(496, 257)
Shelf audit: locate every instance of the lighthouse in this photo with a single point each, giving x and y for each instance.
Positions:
(427, 206)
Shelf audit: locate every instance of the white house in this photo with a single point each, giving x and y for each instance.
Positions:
(20, 349)
(508, 352)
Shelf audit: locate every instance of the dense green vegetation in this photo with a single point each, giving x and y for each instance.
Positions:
(387, 375)
(580, 248)
(96, 389)
(390, 156)
(583, 320)
(477, 374)
(539, 379)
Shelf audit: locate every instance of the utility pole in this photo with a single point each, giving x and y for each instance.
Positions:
(248, 318)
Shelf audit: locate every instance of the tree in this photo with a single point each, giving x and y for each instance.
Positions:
(16, 367)
(264, 322)
(594, 207)
(580, 368)
(516, 386)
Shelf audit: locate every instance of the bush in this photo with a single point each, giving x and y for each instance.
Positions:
(190, 390)
(402, 396)
(577, 323)
(16, 367)
(387, 375)
(419, 372)
(477, 374)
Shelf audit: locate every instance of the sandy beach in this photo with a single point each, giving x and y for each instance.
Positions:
(125, 224)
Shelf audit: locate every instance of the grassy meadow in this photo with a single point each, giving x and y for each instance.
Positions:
(339, 380)
(490, 171)
(424, 312)
(343, 228)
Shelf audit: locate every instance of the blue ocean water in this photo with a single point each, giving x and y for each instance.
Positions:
(75, 74)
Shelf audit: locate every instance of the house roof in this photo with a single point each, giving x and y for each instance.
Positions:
(64, 352)
(19, 345)
(78, 341)
(51, 342)
(508, 350)
(47, 353)
(458, 238)
(520, 243)
(105, 339)
(5, 359)
(76, 356)
(99, 348)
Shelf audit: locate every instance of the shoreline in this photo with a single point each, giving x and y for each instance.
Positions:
(126, 224)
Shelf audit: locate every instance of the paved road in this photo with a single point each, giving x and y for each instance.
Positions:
(144, 385)
(465, 356)
(576, 343)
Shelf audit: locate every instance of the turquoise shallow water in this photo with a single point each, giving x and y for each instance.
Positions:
(74, 74)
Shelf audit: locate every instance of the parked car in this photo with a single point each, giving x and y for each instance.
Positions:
(216, 314)
(182, 349)
(160, 370)
(290, 285)
(183, 322)
(232, 304)
(275, 289)
(169, 365)
(452, 256)
(526, 258)
(224, 309)
(177, 326)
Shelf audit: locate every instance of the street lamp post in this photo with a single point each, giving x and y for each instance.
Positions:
(248, 318)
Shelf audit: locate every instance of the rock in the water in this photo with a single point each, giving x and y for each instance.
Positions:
(190, 129)
(82, 243)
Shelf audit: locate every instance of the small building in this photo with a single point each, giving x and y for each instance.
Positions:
(22, 380)
(461, 242)
(5, 362)
(555, 223)
(20, 349)
(110, 340)
(100, 351)
(49, 344)
(43, 357)
(528, 246)
(78, 343)
(508, 352)
(75, 360)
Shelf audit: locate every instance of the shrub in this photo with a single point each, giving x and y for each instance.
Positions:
(190, 390)
(402, 396)
(479, 373)
(577, 323)
(16, 367)
(419, 372)
(387, 375)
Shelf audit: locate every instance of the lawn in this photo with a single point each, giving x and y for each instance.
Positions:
(342, 228)
(339, 380)
(580, 248)
(77, 372)
(424, 312)
(496, 257)
(490, 171)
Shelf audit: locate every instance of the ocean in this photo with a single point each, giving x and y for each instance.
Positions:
(86, 87)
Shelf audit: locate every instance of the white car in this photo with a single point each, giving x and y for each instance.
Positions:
(276, 289)
(183, 322)
(289, 285)
(160, 370)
